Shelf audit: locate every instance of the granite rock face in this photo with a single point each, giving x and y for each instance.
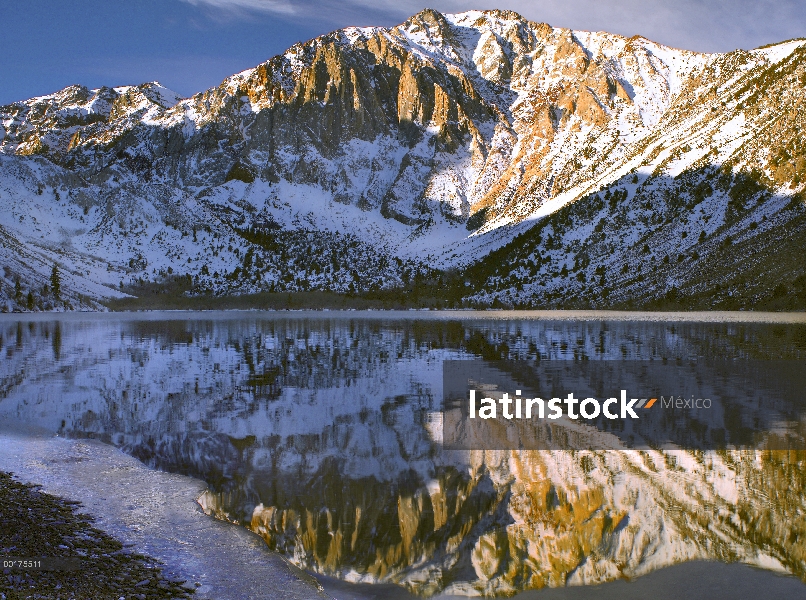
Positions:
(435, 89)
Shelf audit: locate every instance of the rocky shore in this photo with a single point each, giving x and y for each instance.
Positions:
(146, 536)
(34, 524)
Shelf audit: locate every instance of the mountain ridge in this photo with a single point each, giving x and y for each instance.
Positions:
(428, 145)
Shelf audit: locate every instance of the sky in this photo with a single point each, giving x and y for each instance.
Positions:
(192, 45)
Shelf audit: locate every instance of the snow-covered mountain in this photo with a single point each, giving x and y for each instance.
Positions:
(361, 158)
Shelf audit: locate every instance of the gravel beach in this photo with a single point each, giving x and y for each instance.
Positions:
(34, 524)
(139, 516)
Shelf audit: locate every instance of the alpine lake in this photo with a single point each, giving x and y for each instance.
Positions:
(324, 433)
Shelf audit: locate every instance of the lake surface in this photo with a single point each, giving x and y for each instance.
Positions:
(322, 433)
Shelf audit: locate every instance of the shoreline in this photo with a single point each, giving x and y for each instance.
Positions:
(784, 318)
(155, 514)
(220, 561)
(85, 562)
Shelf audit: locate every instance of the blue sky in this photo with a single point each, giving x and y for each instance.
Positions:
(191, 45)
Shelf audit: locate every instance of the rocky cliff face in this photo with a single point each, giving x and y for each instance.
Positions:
(433, 142)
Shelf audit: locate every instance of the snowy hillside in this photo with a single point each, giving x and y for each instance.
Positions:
(367, 157)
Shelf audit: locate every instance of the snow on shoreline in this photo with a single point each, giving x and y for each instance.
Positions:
(156, 513)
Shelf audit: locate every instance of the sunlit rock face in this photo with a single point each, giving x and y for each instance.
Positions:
(322, 436)
(457, 112)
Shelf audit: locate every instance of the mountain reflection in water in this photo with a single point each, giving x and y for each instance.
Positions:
(321, 434)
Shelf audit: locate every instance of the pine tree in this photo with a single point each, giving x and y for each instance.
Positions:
(17, 290)
(56, 282)
(30, 301)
